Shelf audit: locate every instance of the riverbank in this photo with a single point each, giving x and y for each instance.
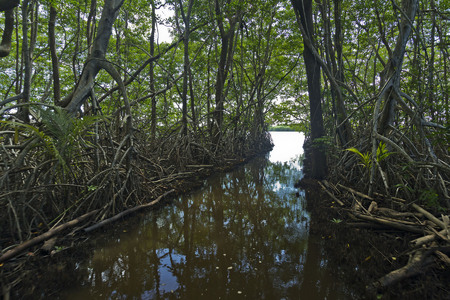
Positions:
(363, 253)
(25, 268)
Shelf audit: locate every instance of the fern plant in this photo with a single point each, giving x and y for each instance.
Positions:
(59, 135)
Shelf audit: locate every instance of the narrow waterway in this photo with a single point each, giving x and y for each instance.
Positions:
(244, 235)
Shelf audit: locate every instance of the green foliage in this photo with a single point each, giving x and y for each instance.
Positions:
(401, 186)
(366, 158)
(59, 248)
(92, 188)
(325, 142)
(281, 128)
(430, 199)
(58, 136)
(382, 152)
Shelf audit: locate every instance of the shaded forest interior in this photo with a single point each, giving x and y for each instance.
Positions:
(99, 115)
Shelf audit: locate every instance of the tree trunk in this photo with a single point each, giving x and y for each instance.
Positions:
(394, 66)
(344, 126)
(153, 119)
(334, 60)
(186, 19)
(96, 60)
(23, 112)
(55, 62)
(5, 46)
(303, 9)
(226, 53)
(90, 27)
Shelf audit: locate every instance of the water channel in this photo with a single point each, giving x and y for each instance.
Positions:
(245, 234)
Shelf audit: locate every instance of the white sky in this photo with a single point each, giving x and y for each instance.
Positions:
(163, 32)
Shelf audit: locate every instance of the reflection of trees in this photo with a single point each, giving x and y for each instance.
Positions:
(246, 231)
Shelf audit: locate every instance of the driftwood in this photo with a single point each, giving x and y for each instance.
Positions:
(443, 257)
(45, 236)
(331, 195)
(395, 214)
(355, 192)
(126, 212)
(425, 239)
(433, 247)
(430, 216)
(390, 223)
(419, 260)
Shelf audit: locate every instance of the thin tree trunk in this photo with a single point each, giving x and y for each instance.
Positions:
(19, 58)
(344, 125)
(153, 119)
(192, 98)
(186, 19)
(391, 80)
(54, 57)
(77, 47)
(394, 66)
(224, 65)
(334, 59)
(24, 111)
(90, 27)
(431, 85)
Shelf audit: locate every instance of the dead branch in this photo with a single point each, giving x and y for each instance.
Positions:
(331, 195)
(391, 223)
(52, 232)
(425, 239)
(126, 212)
(418, 261)
(429, 216)
(355, 192)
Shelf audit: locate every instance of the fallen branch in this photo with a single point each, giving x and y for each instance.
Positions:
(391, 197)
(430, 216)
(331, 195)
(392, 224)
(418, 261)
(425, 239)
(126, 212)
(355, 192)
(45, 236)
(395, 214)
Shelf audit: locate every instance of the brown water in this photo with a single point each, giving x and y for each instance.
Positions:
(244, 235)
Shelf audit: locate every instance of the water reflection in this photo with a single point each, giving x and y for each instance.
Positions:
(244, 235)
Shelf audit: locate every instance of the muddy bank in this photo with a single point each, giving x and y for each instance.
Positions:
(30, 271)
(360, 256)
